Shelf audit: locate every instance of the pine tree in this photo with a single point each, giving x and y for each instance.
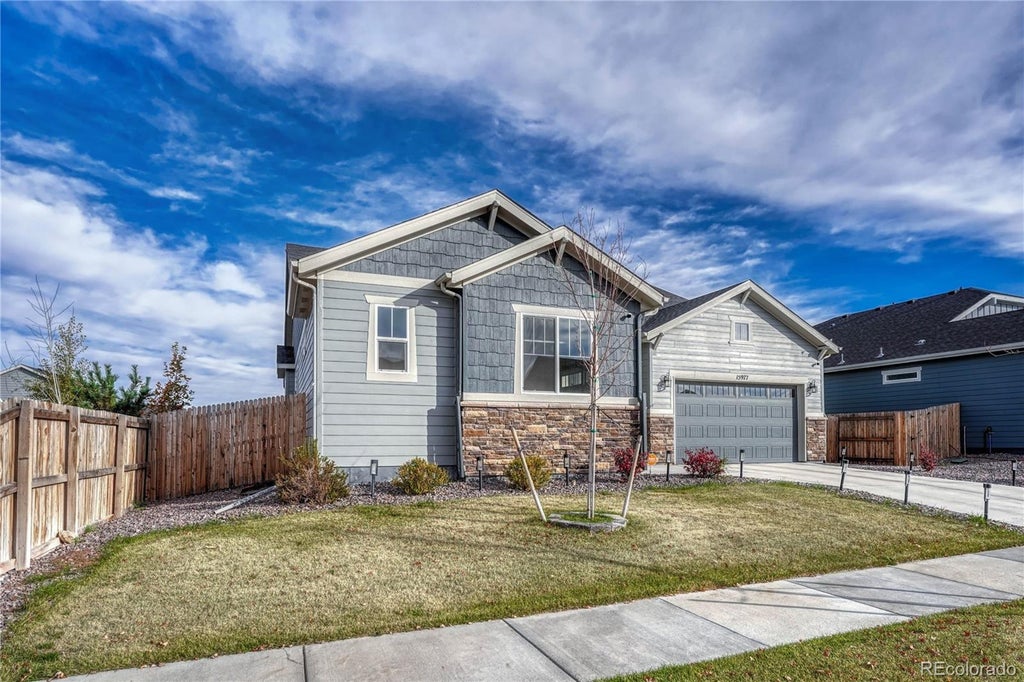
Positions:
(132, 399)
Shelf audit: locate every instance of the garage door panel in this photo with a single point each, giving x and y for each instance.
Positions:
(726, 418)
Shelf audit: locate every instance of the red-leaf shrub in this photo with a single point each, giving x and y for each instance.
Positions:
(927, 459)
(624, 460)
(703, 462)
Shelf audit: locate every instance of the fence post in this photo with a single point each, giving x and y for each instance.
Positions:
(119, 448)
(71, 487)
(23, 510)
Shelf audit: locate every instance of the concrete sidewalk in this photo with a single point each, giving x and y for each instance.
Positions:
(586, 644)
(1006, 504)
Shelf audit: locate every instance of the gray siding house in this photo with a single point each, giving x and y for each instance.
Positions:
(14, 381)
(964, 346)
(736, 370)
(432, 337)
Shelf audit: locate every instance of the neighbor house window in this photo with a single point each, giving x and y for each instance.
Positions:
(391, 354)
(392, 339)
(741, 331)
(555, 351)
(901, 376)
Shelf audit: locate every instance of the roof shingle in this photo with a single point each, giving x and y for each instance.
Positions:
(920, 326)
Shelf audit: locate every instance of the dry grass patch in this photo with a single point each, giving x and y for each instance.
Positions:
(302, 578)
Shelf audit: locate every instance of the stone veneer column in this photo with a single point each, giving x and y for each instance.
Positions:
(547, 430)
(816, 438)
(660, 432)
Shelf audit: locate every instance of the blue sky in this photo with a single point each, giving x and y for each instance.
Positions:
(157, 157)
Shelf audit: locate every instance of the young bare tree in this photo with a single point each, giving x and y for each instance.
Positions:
(57, 347)
(602, 283)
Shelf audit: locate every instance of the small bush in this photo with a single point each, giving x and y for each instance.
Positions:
(928, 459)
(703, 462)
(624, 460)
(307, 476)
(419, 477)
(540, 471)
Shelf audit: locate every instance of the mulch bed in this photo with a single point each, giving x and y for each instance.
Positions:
(993, 468)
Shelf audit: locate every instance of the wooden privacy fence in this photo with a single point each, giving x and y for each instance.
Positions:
(222, 446)
(887, 437)
(63, 468)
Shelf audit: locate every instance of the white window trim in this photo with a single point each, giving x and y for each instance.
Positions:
(732, 331)
(372, 373)
(886, 373)
(522, 310)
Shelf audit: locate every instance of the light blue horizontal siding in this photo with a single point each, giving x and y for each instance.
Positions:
(990, 390)
(304, 332)
(388, 421)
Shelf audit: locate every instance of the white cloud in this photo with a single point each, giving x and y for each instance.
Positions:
(136, 293)
(850, 109)
(173, 193)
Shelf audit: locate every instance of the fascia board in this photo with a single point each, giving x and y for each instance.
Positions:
(985, 301)
(520, 252)
(1017, 345)
(763, 299)
(389, 237)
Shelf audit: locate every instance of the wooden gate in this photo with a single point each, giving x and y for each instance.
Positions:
(888, 437)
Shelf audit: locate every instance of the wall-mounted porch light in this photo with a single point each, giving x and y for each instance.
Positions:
(663, 382)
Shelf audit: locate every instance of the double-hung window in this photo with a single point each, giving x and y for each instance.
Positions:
(392, 339)
(391, 349)
(555, 353)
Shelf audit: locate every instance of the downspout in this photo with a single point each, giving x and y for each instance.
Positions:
(641, 393)
(316, 359)
(460, 374)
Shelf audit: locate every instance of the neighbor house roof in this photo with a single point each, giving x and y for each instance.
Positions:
(563, 240)
(925, 328)
(674, 315)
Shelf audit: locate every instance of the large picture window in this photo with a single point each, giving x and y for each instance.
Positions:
(555, 351)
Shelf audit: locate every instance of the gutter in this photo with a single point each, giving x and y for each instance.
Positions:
(460, 372)
(641, 394)
(931, 356)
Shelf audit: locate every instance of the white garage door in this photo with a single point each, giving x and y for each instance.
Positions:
(727, 417)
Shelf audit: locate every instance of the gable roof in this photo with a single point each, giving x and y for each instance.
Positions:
(894, 333)
(575, 245)
(493, 202)
(675, 315)
(35, 371)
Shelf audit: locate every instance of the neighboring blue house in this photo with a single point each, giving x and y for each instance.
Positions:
(431, 337)
(964, 346)
(14, 381)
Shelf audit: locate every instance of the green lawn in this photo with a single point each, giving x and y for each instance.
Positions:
(987, 635)
(300, 578)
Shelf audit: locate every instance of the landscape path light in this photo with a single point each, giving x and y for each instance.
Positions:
(373, 479)
(480, 472)
(742, 451)
(987, 487)
(565, 466)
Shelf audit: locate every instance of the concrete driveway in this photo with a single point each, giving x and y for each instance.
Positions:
(1006, 503)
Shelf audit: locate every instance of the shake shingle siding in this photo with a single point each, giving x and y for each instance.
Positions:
(990, 390)
(432, 255)
(491, 335)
